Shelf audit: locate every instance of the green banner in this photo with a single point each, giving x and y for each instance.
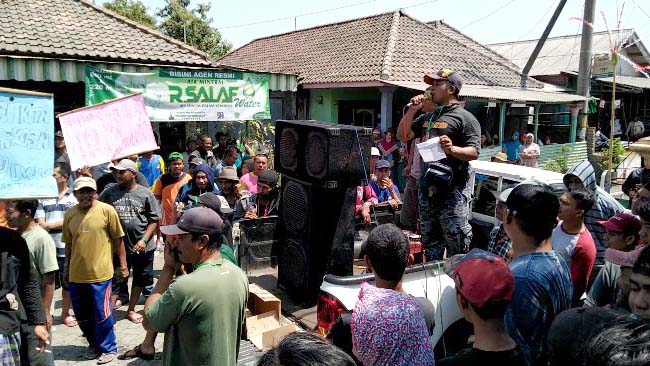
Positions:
(186, 95)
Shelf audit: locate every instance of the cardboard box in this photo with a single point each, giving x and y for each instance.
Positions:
(261, 301)
(265, 325)
(266, 330)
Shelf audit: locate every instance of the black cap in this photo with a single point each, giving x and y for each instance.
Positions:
(269, 177)
(445, 74)
(195, 220)
(215, 202)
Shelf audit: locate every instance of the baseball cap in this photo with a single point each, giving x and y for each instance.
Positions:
(125, 164)
(269, 177)
(197, 220)
(196, 161)
(374, 151)
(376, 131)
(215, 202)
(84, 182)
(445, 74)
(623, 258)
(482, 277)
(174, 156)
(382, 164)
(621, 223)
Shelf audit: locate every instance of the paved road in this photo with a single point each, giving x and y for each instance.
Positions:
(69, 346)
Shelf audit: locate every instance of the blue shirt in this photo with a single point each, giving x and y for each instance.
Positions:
(543, 289)
(383, 195)
(151, 169)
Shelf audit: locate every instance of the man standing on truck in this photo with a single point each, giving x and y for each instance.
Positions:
(443, 198)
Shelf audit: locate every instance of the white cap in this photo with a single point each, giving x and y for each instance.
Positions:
(374, 151)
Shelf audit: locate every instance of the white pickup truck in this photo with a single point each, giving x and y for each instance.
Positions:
(450, 333)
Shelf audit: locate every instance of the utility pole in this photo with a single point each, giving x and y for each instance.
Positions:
(584, 70)
(540, 43)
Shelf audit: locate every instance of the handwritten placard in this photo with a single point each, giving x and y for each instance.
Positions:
(104, 132)
(26, 144)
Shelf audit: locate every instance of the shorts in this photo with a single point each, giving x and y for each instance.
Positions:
(142, 266)
(58, 279)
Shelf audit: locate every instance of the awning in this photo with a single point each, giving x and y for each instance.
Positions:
(640, 82)
(500, 93)
(72, 71)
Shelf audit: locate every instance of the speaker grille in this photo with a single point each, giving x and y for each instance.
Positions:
(288, 145)
(316, 154)
(295, 206)
(294, 265)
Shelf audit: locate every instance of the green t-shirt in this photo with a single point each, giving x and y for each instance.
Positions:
(228, 254)
(42, 252)
(202, 314)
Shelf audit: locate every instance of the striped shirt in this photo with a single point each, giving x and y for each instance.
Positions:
(52, 210)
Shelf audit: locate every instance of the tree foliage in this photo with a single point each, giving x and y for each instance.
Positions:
(133, 10)
(192, 26)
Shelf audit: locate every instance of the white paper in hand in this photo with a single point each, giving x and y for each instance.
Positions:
(431, 150)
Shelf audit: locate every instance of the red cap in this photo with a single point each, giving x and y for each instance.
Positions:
(482, 277)
(622, 223)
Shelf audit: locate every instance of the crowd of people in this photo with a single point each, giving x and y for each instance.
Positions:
(105, 226)
(562, 279)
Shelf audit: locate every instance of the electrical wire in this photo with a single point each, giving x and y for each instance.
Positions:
(488, 15)
(318, 12)
(297, 16)
(512, 46)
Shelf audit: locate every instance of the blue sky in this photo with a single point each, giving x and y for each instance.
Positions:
(487, 21)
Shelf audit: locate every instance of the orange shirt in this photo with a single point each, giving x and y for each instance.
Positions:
(167, 187)
(3, 214)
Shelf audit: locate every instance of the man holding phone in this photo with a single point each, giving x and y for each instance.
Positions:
(384, 187)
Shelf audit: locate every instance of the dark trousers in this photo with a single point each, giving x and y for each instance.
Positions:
(29, 355)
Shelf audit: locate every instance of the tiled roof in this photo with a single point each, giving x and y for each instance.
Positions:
(385, 47)
(563, 53)
(80, 30)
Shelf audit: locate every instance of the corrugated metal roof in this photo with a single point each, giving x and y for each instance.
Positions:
(38, 69)
(633, 81)
(502, 93)
(563, 53)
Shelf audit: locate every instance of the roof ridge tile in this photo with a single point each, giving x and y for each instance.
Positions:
(393, 34)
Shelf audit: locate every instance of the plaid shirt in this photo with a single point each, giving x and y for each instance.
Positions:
(499, 243)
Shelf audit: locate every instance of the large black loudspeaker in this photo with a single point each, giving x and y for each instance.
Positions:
(322, 153)
(321, 165)
(318, 227)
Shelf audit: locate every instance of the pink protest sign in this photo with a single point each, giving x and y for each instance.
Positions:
(111, 130)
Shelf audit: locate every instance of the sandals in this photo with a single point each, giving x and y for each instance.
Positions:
(105, 358)
(70, 321)
(136, 353)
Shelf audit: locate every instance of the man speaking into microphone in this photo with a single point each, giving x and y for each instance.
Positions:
(444, 195)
